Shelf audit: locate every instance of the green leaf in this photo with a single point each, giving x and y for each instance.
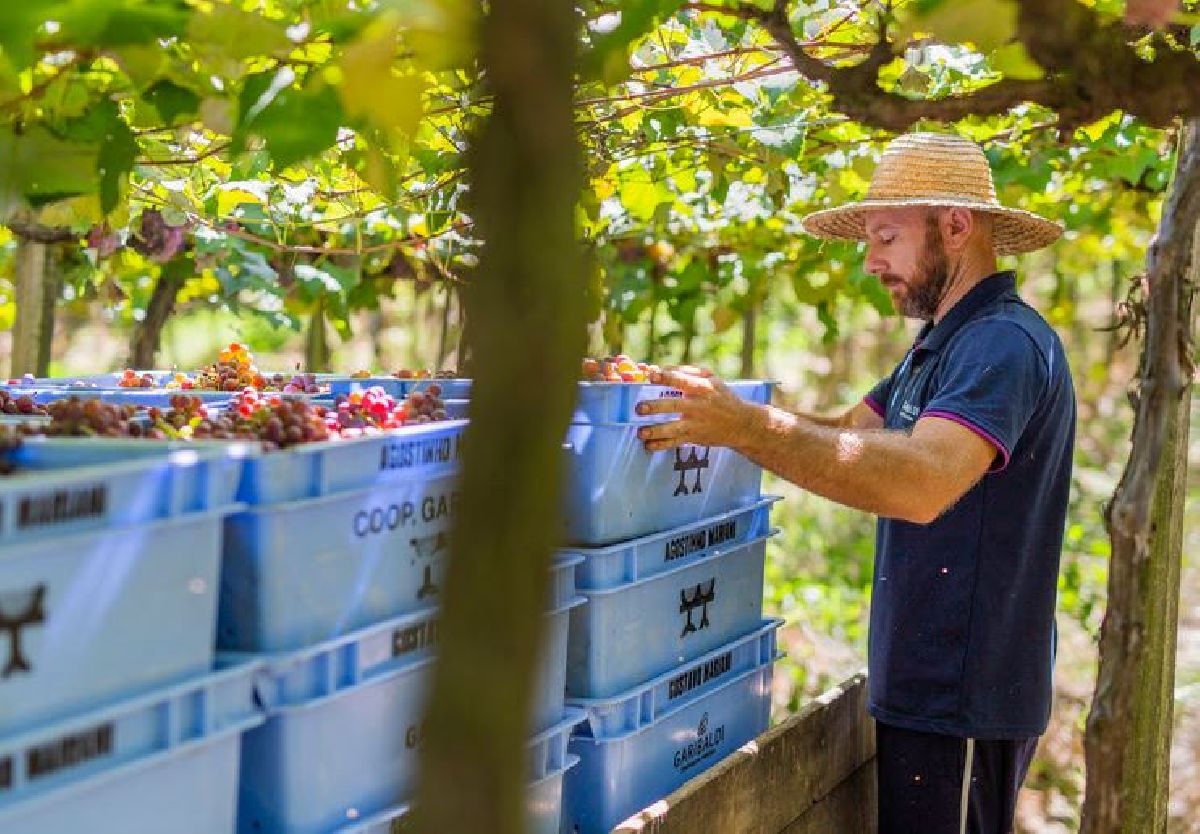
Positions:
(117, 153)
(640, 199)
(171, 100)
(40, 167)
(122, 22)
(608, 58)
(1014, 62)
(985, 23)
(102, 125)
(296, 124)
(372, 89)
(232, 33)
(19, 22)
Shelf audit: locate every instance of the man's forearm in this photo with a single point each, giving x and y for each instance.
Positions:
(831, 421)
(860, 468)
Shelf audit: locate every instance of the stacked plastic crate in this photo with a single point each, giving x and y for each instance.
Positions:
(112, 718)
(331, 578)
(670, 658)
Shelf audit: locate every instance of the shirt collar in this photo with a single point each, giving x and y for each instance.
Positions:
(933, 336)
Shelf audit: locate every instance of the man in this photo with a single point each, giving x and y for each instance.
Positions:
(964, 453)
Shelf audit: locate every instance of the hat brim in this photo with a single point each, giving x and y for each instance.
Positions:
(1014, 231)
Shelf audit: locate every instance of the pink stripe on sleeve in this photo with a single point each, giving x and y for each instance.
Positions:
(874, 406)
(986, 435)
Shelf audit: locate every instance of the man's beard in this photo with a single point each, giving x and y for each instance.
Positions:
(933, 273)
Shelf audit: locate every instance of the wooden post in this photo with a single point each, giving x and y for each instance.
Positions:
(30, 291)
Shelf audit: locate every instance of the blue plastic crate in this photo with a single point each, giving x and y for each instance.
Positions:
(616, 490)
(670, 616)
(137, 397)
(615, 565)
(340, 386)
(616, 402)
(10, 421)
(452, 389)
(456, 389)
(637, 747)
(69, 485)
(543, 796)
(166, 762)
(311, 470)
(355, 705)
(86, 382)
(104, 614)
(306, 571)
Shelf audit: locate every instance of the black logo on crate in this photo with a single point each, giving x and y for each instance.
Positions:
(692, 463)
(708, 741)
(428, 587)
(701, 596)
(70, 751)
(685, 682)
(17, 612)
(411, 639)
(62, 506)
(427, 547)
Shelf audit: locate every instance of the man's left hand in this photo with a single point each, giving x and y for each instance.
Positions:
(710, 414)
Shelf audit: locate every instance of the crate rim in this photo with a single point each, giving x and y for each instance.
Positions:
(135, 703)
(571, 718)
(272, 670)
(9, 549)
(589, 551)
(636, 692)
(711, 556)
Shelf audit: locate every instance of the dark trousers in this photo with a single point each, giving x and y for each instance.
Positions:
(924, 778)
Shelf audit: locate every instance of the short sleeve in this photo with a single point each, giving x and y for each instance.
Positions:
(876, 399)
(991, 381)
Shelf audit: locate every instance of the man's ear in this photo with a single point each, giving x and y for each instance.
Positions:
(958, 224)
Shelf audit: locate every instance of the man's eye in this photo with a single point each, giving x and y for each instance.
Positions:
(887, 239)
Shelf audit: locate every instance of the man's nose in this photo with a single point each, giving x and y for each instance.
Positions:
(874, 265)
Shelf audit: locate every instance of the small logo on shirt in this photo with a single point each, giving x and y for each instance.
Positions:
(908, 411)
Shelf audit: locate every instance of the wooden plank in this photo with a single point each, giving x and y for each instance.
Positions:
(776, 779)
(850, 809)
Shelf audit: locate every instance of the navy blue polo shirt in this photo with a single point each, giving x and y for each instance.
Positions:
(962, 613)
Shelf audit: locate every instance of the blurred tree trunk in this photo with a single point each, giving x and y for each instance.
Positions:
(749, 339)
(1128, 735)
(375, 332)
(526, 308)
(29, 290)
(444, 333)
(51, 290)
(147, 336)
(316, 341)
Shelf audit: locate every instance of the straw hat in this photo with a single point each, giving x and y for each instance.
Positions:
(942, 170)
